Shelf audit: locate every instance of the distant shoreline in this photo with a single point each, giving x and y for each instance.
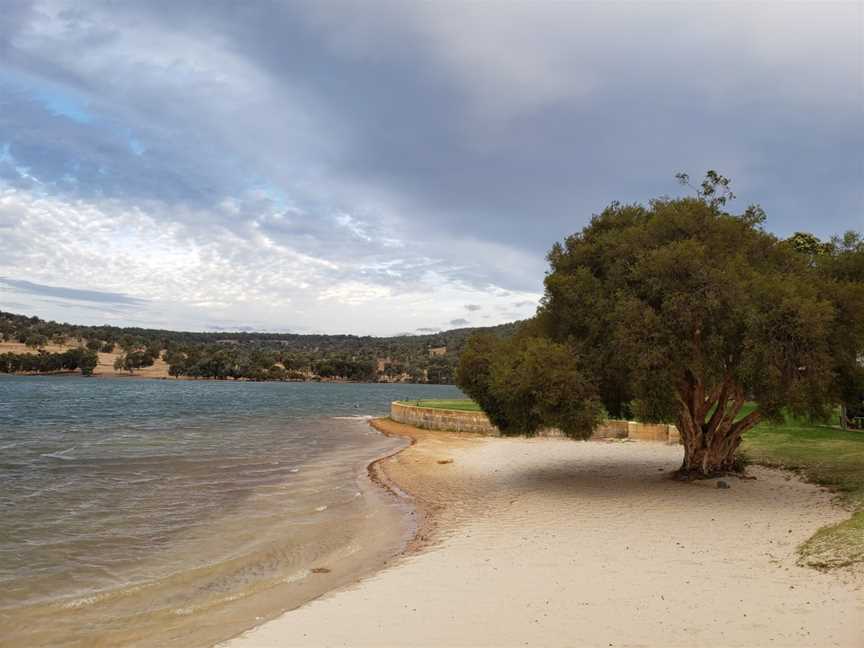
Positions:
(142, 376)
(160, 369)
(400, 359)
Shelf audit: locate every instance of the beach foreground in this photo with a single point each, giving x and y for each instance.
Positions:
(550, 542)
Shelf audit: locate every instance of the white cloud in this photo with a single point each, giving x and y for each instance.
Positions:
(321, 167)
(354, 292)
(194, 274)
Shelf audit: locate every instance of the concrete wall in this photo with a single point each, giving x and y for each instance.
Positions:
(429, 418)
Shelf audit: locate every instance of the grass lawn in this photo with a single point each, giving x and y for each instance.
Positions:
(825, 455)
(462, 404)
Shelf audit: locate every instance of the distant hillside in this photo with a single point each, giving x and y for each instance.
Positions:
(257, 356)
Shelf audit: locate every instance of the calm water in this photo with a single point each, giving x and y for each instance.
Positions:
(144, 512)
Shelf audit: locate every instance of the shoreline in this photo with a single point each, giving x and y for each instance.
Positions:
(421, 517)
(383, 473)
(144, 376)
(264, 566)
(541, 542)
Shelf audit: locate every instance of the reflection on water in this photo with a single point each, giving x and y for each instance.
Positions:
(160, 513)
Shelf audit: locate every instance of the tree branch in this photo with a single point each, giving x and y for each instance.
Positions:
(747, 422)
(720, 412)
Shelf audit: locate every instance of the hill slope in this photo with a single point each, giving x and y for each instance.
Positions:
(258, 356)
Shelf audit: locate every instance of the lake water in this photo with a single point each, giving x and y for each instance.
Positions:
(162, 513)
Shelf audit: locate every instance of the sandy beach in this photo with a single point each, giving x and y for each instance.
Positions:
(551, 542)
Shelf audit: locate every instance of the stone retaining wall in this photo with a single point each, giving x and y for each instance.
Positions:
(429, 418)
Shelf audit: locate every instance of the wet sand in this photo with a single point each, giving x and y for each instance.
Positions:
(550, 542)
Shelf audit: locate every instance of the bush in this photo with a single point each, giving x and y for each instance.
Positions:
(526, 383)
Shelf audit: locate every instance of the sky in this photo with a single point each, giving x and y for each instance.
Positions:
(391, 167)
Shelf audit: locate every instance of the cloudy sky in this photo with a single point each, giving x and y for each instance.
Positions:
(377, 167)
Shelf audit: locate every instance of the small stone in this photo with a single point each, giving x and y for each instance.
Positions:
(320, 570)
(445, 461)
(722, 484)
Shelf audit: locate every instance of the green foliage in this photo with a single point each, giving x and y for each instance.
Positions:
(87, 362)
(33, 340)
(346, 368)
(44, 362)
(135, 359)
(714, 189)
(839, 268)
(526, 383)
(440, 371)
(808, 244)
(474, 375)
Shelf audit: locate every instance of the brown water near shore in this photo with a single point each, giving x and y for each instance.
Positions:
(151, 514)
(276, 566)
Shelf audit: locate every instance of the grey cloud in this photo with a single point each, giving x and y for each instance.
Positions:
(522, 304)
(427, 329)
(459, 321)
(106, 309)
(494, 185)
(462, 141)
(473, 307)
(94, 159)
(73, 294)
(388, 87)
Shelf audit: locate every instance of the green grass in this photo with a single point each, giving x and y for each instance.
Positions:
(462, 405)
(825, 455)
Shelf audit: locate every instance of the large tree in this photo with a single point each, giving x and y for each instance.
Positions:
(681, 311)
(842, 261)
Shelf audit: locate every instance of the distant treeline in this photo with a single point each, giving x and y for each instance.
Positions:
(260, 356)
(82, 359)
(220, 362)
(209, 361)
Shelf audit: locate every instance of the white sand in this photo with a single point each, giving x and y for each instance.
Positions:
(551, 542)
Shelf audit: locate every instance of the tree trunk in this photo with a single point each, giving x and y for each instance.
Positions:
(709, 430)
(709, 457)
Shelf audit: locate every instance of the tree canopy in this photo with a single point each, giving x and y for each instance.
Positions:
(680, 311)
